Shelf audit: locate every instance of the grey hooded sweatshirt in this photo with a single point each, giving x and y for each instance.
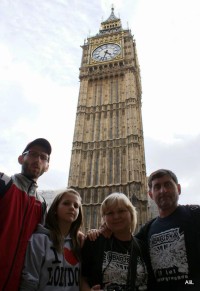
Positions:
(47, 270)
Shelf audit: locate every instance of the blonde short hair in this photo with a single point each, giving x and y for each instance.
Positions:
(123, 201)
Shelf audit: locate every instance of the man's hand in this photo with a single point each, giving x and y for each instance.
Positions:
(81, 237)
(92, 234)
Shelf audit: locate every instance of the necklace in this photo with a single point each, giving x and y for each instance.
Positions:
(123, 246)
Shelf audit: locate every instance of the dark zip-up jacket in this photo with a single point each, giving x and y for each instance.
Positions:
(190, 217)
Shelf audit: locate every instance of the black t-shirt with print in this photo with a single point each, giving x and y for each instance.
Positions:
(172, 245)
(107, 260)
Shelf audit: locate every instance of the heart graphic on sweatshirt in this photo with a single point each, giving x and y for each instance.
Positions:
(69, 257)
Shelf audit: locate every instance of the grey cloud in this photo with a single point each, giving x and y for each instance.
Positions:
(45, 35)
(182, 157)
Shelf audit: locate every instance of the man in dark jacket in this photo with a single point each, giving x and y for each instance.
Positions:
(21, 209)
(173, 238)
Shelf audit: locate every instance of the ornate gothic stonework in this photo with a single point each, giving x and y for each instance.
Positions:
(108, 146)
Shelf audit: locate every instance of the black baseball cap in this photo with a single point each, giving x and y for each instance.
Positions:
(39, 141)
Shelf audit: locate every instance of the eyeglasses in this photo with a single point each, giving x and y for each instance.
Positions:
(119, 212)
(35, 155)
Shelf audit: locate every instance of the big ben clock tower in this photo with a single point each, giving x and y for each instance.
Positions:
(108, 144)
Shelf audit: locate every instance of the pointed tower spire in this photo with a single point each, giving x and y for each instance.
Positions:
(112, 24)
(112, 16)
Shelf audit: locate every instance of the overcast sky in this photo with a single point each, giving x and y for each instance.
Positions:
(40, 56)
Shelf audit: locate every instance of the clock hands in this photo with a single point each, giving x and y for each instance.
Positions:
(106, 52)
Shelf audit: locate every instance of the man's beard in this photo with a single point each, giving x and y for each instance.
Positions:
(30, 174)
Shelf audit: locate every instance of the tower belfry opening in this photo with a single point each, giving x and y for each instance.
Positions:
(108, 144)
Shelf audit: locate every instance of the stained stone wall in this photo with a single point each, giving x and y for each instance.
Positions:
(152, 208)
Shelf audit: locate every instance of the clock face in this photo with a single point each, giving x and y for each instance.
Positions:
(106, 52)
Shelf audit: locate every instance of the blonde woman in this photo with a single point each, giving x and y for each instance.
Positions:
(114, 263)
(53, 255)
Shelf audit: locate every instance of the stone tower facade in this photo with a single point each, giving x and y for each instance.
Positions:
(108, 145)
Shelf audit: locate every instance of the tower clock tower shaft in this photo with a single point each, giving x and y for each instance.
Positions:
(108, 145)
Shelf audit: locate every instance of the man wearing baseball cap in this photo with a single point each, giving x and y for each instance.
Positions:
(21, 209)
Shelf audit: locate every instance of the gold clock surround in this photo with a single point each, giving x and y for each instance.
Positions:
(106, 52)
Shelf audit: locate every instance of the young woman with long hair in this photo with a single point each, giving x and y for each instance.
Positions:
(53, 254)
